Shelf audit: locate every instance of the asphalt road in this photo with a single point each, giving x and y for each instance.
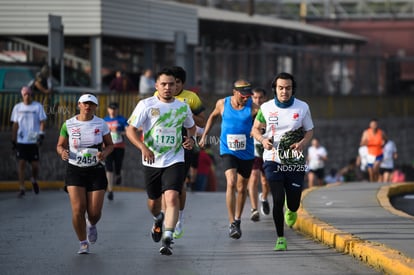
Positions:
(404, 203)
(36, 237)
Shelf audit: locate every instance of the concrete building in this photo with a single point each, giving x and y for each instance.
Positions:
(102, 35)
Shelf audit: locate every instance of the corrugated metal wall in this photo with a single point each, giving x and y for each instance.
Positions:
(149, 20)
(26, 17)
(140, 19)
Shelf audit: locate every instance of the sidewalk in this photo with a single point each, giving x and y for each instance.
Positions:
(358, 219)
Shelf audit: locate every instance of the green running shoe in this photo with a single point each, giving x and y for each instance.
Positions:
(179, 231)
(290, 217)
(281, 244)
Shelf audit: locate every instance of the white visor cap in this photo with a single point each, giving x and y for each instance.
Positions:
(88, 97)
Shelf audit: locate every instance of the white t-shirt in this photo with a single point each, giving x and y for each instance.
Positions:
(28, 117)
(82, 136)
(146, 85)
(315, 155)
(162, 128)
(388, 152)
(363, 156)
(282, 120)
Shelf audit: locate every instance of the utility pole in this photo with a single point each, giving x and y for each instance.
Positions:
(250, 7)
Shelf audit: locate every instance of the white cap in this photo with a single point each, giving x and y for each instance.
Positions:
(88, 97)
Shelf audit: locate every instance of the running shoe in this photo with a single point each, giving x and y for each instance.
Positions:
(234, 230)
(254, 215)
(166, 248)
(84, 248)
(178, 232)
(35, 187)
(21, 194)
(110, 196)
(92, 232)
(290, 217)
(156, 231)
(281, 244)
(264, 208)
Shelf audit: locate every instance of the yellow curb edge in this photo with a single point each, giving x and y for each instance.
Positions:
(376, 255)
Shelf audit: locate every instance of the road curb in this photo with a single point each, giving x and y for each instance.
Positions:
(376, 255)
(395, 189)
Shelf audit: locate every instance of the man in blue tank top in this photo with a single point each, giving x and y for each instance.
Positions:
(236, 147)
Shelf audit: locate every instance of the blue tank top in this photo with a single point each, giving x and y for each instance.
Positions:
(236, 126)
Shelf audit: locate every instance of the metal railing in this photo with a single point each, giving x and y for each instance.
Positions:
(60, 107)
(75, 61)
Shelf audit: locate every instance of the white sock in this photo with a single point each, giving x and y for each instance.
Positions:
(181, 216)
(168, 234)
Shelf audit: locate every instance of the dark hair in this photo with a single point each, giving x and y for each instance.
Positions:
(260, 90)
(44, 71)
(284, 75)
(179, 73)
(166, 71)
(113, 105)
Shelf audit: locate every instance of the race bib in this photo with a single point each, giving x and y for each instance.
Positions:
(165, 137)
(116, 137)
(236, 142)
(87, 157)
(32, 137)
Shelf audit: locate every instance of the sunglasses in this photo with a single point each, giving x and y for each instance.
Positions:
(244, 96)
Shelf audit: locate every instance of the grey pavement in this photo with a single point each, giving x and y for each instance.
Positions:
(355, 219)
(36, 237)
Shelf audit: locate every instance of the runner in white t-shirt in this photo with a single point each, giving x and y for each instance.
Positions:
(162, 118)
(85, 142)
(362, 162)
(289, 128)
(387, 163)
(317, 155)
(28, 119)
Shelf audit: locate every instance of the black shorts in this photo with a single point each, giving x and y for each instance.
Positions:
(194, 159)
(189, 158)
(319, 173)
(384, 170)
(242, 166)
(158, 180)
(114, 160)
(92, 178)
(28, 152)
(258, 164)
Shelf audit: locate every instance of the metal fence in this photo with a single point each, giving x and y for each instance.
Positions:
(319, 71)
(60, 107)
